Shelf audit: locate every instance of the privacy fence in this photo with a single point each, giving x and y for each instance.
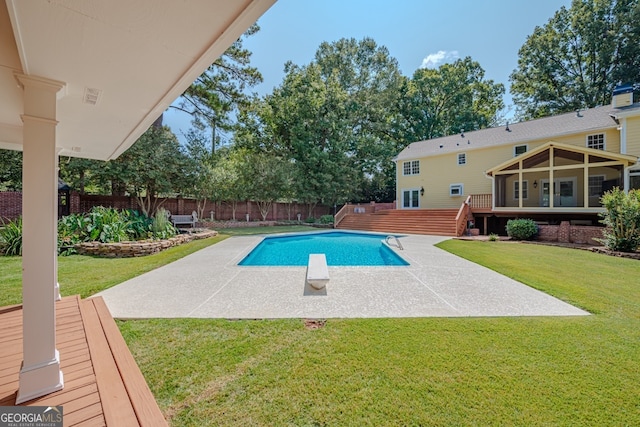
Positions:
(11, 207)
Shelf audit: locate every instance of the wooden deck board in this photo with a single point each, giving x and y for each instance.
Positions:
(102, 383)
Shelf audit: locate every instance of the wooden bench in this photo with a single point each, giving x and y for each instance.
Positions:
(317, 271)
(184, 219)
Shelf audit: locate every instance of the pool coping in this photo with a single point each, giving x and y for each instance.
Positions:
(332, 231)
(209, 284)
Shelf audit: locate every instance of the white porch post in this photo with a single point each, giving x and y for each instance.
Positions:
(40, 373)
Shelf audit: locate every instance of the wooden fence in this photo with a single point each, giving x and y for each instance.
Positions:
(11, 207)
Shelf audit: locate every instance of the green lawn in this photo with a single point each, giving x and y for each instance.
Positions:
(459, 371)
(85, 275)
(373, 372)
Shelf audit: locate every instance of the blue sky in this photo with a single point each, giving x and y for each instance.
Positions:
(416, 32)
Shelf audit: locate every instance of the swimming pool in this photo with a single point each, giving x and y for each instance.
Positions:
(341, 249)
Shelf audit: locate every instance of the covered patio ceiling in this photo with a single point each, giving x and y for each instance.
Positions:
(122, 62)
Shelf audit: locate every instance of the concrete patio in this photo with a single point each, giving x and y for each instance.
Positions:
(209, 284)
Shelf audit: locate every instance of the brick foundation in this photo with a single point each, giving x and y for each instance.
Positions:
(567, 233)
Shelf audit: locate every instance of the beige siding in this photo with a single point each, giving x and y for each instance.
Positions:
(438, 172)
(633, 136)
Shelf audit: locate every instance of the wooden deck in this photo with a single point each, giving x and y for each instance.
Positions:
(103, 386)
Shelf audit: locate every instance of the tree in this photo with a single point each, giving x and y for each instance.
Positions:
(81, 174)
(200, 160)
(154, 165)
(576, 59)
(371, 79)
(220, 90)
(450, 99)
(228, 183)
(266, 178)
(305, 124)
(10, 170)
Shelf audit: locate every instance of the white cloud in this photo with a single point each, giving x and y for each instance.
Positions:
(434, 60)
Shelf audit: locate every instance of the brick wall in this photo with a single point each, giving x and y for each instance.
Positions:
(10, 205)
(567, 233)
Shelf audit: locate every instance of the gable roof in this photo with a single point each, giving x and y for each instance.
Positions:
(592, 119)
(628, 160)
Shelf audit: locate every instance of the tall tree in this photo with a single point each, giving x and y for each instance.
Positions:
(575, 60)
(305, 122)
(155, 165)
(447, 100)
(220, 90)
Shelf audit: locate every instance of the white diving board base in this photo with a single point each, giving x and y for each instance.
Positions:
(317, 271)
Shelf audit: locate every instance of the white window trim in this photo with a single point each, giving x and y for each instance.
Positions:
(410, 167)
(458, 185)
(465, 159)
(604, 140)
(526, 182)
(410, 190)
(526, 146)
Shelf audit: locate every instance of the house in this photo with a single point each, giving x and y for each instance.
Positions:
(551, 169)
(86, 79)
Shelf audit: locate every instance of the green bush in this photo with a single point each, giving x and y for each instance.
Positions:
(493, 237)
(72, 229)
(522, 229)
(138, 225)
(161, 227)
(310, 220)
(11, 237)
(326, 219)
(622, 218)
(107, 225)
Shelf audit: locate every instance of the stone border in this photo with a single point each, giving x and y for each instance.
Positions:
(139, 248)
(603, 250)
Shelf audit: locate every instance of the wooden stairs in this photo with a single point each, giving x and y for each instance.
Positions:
(439, 222)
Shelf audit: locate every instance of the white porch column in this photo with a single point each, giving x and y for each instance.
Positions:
(40, 373)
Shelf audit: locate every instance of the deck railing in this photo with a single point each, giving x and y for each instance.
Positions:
(372, 207)
(462, 217)
(481, 201)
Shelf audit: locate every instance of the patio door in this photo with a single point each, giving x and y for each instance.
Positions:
(410, 199)
(564, 192)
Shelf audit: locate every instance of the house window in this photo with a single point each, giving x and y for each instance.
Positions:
(525, 190)
(462, 159)
(456, 190)
(634, 180)
(411, 168)
(519, 149)
(596, 141)
(595, 185)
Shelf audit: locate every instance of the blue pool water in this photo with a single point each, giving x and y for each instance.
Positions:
(354, 249)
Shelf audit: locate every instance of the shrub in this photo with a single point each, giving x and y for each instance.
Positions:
(493, 237)
(107, 225)
(72, 229)
(622, 218)
(310, 220)
(11, 237)
(326, 219)
(161, 227)
(521, 229)
(138, 225)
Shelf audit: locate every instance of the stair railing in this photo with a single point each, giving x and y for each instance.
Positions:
(397, 242)
(344, 211)
(461, 218)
